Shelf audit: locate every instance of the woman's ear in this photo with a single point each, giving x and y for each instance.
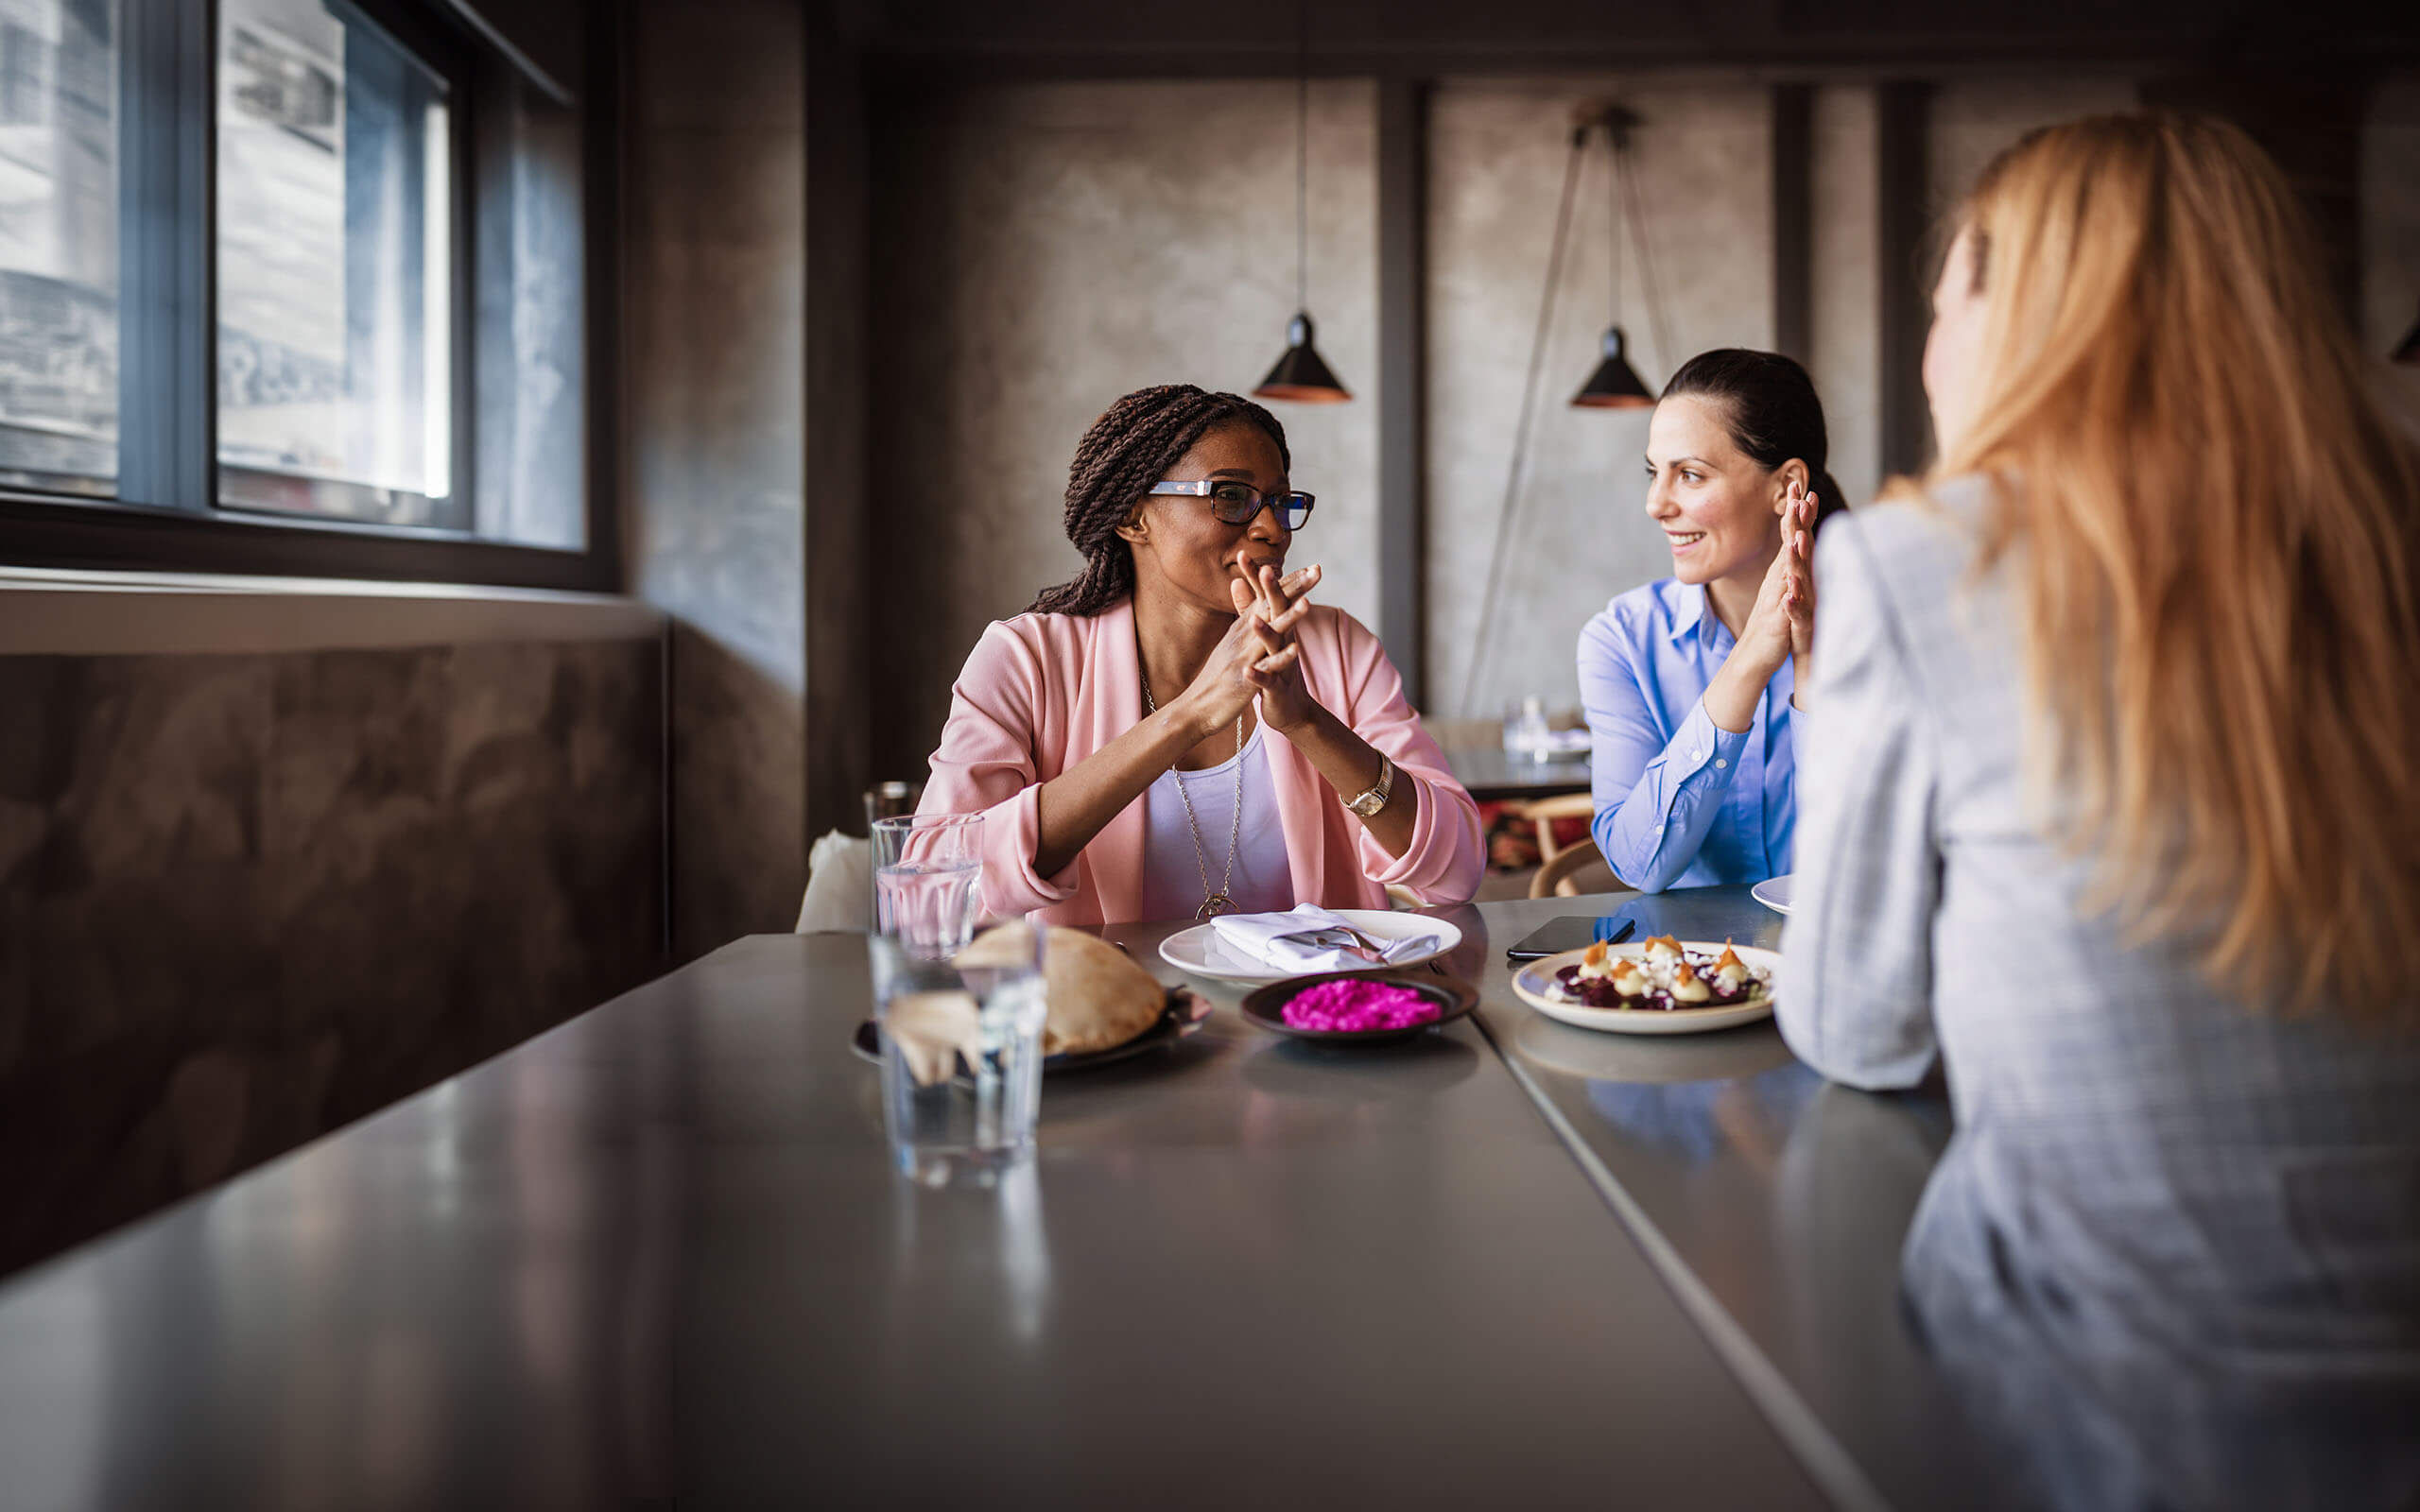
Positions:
(1789, 472)
(1134, 532)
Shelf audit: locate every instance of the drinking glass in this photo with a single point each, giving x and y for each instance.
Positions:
(1525, 729)
(928, 876)
(973, 1024)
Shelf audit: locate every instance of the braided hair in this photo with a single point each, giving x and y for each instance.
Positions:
(1130, 448)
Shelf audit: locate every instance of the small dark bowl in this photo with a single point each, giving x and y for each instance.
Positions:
(1267, 1007)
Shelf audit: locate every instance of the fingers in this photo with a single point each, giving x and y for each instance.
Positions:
(1240, 595)
(1301, 580)
(1264, 673)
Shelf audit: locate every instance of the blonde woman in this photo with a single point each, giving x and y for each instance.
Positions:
(2108, 798)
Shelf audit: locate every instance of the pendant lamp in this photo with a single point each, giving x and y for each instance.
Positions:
(1302, 375)
(1616, 385)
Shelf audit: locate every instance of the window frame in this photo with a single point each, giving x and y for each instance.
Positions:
(166, 516)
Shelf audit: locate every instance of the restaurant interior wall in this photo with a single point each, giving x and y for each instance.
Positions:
(2390, 199)
(1580, 534)
(276, 852)
(255, 884)
(713, 510)
(1040, 250)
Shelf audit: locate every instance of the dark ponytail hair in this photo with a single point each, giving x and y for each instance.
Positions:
(1129, 449)
(1769, 408)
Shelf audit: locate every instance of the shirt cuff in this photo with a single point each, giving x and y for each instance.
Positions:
(1702, 743)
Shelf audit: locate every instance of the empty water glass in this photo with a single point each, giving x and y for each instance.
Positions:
(928, 876)
(961, 1053)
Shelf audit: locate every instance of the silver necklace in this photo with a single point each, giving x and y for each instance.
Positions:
(1212, 904)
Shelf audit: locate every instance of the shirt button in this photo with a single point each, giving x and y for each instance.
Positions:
(1720, 763)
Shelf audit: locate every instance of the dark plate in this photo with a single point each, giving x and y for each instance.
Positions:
(1266, 1007)
(1183, 1016)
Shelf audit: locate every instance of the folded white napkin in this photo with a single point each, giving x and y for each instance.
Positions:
(1270, 939)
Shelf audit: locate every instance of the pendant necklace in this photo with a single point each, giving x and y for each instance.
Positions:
(1212, 904)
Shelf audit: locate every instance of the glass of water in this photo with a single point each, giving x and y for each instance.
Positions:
(927, 881)
(962, 1052)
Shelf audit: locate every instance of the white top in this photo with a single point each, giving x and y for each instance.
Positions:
(1172, 876)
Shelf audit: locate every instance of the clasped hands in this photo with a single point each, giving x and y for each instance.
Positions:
(1258, 657)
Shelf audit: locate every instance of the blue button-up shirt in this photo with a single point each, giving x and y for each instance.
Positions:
(1681, 802)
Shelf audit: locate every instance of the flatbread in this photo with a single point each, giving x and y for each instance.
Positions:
(1100, 998)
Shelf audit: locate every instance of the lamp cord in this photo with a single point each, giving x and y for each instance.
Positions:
(1301, 155)
(1665, 353)
(1528, 409)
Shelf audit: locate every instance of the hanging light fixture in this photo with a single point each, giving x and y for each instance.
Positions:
(1616, 385)
(1302, 375)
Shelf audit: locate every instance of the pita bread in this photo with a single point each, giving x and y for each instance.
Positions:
(1099, 997)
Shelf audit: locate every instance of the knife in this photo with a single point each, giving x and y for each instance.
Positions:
(1630, 927)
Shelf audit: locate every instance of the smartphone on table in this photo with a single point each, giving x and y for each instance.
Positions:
(1572, 933)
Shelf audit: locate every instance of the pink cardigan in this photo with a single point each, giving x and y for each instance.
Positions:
(1042, 691)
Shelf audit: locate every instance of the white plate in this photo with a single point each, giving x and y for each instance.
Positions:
(1535, 983)
(1200, 950)
(1773, 892)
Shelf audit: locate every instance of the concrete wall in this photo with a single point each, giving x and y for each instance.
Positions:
(1580, 534)
(714, 514)
(250, 894)
(1041, 250)
(2391, 234)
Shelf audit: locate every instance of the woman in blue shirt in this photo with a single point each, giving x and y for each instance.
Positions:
(1689, 681)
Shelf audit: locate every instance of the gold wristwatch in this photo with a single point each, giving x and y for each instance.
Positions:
(1374, 799)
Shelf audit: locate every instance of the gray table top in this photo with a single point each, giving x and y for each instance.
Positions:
(1490, 773)
(1775, 1202)
(658, 1252)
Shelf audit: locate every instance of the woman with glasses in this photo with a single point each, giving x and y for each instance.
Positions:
(1266, 736)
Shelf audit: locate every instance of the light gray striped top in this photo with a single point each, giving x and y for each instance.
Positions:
(2183, 1237)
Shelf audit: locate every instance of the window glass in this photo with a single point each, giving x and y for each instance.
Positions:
(59, 338)
(335, 271)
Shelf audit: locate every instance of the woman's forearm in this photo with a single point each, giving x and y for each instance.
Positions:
(1732, 695)
(1076, 804)
(1350, 764)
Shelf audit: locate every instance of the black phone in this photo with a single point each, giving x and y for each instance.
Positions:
(1571, 933)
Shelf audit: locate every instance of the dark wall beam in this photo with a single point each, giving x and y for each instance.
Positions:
(1903, 112)
(1403, 341)
(1793, 156)
(839, 666)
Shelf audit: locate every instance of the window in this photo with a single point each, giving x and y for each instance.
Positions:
(336, 365)
(59, 339)
(294, 286)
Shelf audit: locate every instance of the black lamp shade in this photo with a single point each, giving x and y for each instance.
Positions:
(2410, 350)
(1300, 375)
(1613, 385)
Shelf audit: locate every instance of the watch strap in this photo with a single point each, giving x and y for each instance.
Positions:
(1375, 798)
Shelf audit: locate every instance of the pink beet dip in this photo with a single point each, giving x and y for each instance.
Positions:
(1355, 1004)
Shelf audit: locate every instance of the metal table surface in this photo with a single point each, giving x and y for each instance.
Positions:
(1775, 1202)
(1492, 774)
(658, 1253)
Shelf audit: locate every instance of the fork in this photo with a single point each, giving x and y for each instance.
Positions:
(1354, 942)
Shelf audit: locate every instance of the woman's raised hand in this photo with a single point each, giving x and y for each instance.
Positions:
(1798, 591)
(1273, 611)
(1258, 648)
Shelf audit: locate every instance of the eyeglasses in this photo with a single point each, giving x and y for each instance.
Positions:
(1236, 504)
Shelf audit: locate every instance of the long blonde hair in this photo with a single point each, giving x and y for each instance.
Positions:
(2213, 526)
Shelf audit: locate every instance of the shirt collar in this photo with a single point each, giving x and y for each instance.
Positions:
(1685, 603)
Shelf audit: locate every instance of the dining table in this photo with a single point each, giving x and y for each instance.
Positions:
(1490, 774)
(658, 1257)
